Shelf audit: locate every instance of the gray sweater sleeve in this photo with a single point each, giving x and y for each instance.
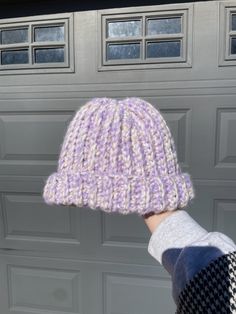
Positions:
(183, 247)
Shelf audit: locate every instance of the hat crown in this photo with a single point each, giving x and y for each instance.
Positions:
(128, 137)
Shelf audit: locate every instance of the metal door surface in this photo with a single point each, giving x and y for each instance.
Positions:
(56, 259)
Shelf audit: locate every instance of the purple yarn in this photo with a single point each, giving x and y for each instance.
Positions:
(119, 156)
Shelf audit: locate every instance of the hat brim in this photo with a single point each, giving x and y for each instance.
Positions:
(119, 193)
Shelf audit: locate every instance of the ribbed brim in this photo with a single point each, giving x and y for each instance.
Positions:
(119, 193)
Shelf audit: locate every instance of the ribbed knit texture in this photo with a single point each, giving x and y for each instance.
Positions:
(119, 156)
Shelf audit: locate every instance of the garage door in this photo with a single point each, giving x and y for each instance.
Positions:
(179, 57)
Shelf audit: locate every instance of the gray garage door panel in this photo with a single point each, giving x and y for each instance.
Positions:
(73, 260)
(195, 121)
(215, 206)
(72, 286)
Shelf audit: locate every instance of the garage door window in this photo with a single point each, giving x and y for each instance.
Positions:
(227, 40)
(35, 45)
(233, 36)
(151, 38)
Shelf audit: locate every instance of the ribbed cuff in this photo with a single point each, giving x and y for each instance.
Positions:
(174, 232)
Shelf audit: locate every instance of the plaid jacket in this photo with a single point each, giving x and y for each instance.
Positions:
(212, 289)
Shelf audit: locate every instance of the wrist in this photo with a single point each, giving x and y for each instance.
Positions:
(153, 219)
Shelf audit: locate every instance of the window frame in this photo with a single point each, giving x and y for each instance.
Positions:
(31, 23)
(144, 13)
(225, 34)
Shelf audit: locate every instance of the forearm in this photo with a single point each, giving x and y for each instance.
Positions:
(183, 247)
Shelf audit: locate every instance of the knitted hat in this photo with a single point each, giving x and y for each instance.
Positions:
(119, 156)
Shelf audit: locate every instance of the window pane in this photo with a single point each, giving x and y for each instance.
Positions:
(163, 49)
(14, 36)
(49, 33)
(164, 26)
(46, 55)
(15, 56)
(233, 46)
(123, 51)
(124, 28)
(233, 22)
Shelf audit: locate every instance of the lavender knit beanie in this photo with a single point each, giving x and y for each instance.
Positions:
(119, 156)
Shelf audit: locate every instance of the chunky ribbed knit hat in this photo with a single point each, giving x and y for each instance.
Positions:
(119, 156)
